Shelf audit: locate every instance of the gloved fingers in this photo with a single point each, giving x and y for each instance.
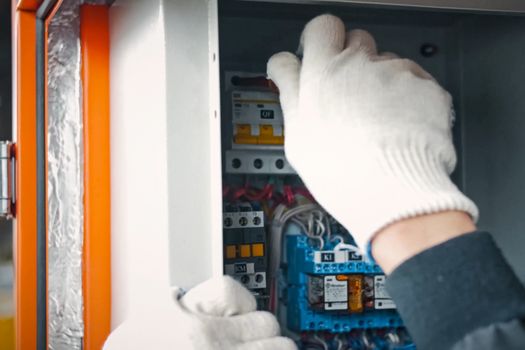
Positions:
(276, 343)
(252, 326)
(359, 40)
(220, 296)
(284, 69)
(322, 39)
(404, 64)
(384, 56)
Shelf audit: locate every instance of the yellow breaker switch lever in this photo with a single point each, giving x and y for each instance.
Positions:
(267, 136)
(243, 135)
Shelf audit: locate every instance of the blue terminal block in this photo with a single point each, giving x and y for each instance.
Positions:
(301, 318)
(310, 295)
(301, 258)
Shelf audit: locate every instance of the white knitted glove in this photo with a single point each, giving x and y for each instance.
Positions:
(370, 135)
(218, 314)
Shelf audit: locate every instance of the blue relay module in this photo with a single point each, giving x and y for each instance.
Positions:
(335, 291)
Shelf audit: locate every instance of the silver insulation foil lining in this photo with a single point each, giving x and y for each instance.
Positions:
(65, 180)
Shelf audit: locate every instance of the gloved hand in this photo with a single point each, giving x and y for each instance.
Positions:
(368, 133)
(218, 314)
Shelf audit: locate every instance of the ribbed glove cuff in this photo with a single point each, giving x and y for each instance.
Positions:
(417, 183)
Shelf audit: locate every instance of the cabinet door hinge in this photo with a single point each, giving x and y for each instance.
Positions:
(7, 180)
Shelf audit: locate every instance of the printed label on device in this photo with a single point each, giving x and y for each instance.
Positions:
(336, 256)
(380, 288)
(267, 114)
(335, 306)
(335, 293)
(327, 257)
(384, 304)
(354, 256)
(239, 269)
(253, 107)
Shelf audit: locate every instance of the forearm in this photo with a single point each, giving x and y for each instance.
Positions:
(402, 240)
(451, 291)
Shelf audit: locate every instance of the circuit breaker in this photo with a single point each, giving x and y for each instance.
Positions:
(257, 125)
(245, 245)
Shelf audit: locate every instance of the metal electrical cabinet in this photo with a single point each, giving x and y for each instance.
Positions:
(480, 50)
(185, 49)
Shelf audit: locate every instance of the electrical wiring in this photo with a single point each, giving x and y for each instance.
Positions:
(393, 338)
(344, 246)
(328, 228)
(366, 341)
(270, 196)
(321, 341)
(280, 217)
(308, 233)
(339, 342)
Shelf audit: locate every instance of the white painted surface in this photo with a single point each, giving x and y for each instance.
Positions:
(165, 149)
(194, 181)
(139, 176)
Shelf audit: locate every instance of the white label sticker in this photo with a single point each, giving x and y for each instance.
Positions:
(380, 288)
(383, 304)
(256, 107)
(335, 256)
(335, 306)
(334, 290)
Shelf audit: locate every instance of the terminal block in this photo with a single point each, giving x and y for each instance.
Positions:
(335, 291)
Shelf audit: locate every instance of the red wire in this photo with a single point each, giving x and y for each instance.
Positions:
(289, 197)
(255, 195)
(267, 193)
(238, 193)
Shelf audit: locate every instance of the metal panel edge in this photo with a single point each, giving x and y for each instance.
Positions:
(506, 6)
(215, 139)
(41, 198)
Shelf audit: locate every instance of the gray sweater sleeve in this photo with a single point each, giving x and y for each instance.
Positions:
(460, 295)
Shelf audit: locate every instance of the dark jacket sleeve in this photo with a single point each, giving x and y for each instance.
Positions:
(460, 295)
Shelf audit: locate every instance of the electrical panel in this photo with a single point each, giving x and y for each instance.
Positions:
(299, 262)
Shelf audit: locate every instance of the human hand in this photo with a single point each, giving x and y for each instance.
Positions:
(218, 314)
(369, 134)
